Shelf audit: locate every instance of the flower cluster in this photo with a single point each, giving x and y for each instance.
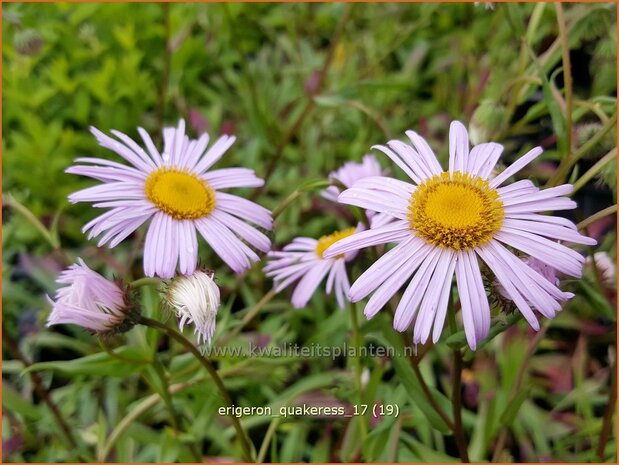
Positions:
(465, 222)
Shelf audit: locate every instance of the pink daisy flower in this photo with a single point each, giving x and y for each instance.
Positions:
(178, 193)
(88, 300)
(446, 222)
(303, 261)
(352, 172)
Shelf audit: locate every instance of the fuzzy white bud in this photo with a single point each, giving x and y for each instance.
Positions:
(195, 300)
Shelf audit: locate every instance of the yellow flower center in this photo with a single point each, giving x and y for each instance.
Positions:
(457, 211)
(180, 194)
(327, 241)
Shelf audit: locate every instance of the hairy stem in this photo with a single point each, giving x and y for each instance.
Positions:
(595, 170)
(597, 216)
(167, 399)
(178, 337)
(424, 387)
(456, 392)
(562, 172)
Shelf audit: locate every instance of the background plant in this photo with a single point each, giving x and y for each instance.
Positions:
(305, 87)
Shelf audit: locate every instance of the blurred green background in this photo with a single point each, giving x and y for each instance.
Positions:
(304, 87)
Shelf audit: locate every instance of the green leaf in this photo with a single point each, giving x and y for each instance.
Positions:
(407, 377)
(101, 364)
(597, 300)
(511, 410)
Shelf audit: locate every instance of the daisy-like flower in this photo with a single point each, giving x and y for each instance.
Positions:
(446, 222)
(178, 193)
(302, 260)
(352, 172)
(195, 299)
(89, 300)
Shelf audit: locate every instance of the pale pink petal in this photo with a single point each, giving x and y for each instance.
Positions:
(244, 230)
(135, 148)
(213, 154)
(122, 150)
(483, 158)
(395, 280)
(378, 201)
(458, 146)
(382, 268)
(398, 161)
(411, 158)
(441, 313)
(232, 177)
(541, 195)
(151, 243)
(552, 231)
(244, 209)
(308, 284)
(556, 255)
(409, 303)
(434, 298)
(392, 232)
(150, 146)
(502, 276)
(516, 166)
(426, 153)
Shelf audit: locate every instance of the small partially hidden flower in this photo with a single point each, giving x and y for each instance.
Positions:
(303, 261)
(91, 301)
(543, 269)
(605, 266)
(348, 175)
(195, 300)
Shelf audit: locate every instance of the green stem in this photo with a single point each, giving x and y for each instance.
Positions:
(424, 387)
(296, 193)
(167, 399)
(568, 162)
(130, 417)
(596, 216)
(178, 337)
(456, 392)
(456, 400)
(252, 312)
(9, 201)
(502, 437)
(267, 439)
(357, 343)
(43, 393)
(594, 170)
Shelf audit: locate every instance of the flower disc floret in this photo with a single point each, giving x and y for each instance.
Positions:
(180, 194)
(456, 211)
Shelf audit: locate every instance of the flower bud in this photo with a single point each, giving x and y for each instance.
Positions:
(195, 299)
(91, 301)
